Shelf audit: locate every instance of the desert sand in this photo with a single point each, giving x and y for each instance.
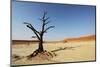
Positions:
(64, 51)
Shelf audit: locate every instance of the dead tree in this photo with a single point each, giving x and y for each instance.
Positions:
(39, 34)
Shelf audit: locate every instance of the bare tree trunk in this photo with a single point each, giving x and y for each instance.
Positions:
(40, 48)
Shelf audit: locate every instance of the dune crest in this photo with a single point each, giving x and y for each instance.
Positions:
(82, 38)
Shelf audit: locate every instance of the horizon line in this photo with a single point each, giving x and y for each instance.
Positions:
(54, 40)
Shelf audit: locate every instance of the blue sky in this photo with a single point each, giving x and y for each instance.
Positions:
(69, 20)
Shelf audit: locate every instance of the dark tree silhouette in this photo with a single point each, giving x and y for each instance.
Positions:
(39, 34)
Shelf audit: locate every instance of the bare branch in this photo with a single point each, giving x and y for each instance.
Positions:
(45, 19)
(31, 26)
(47, 22)
(44, 15)
(33, 29)
(48, 28)
(26, 23)
(33, 36)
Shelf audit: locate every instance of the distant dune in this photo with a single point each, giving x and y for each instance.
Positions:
(82, 38)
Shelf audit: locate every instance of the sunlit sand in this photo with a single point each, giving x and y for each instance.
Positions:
(71, 51)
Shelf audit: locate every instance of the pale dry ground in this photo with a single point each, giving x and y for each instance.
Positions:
(75, 51)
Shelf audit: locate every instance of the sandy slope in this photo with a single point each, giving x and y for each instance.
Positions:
(81, 38)
(65, 52)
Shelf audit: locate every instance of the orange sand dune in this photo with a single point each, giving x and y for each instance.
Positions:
(82, 38)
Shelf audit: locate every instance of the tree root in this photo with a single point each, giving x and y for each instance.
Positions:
(35, 53)
(45, 53)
